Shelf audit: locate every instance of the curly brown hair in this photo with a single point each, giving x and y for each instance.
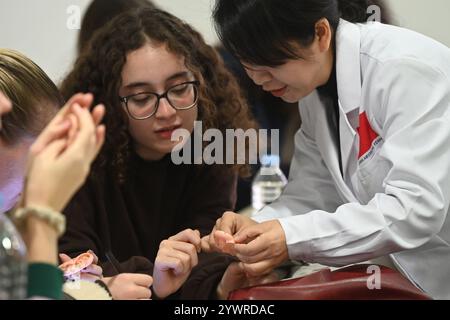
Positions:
(98, 70)
(100, 12)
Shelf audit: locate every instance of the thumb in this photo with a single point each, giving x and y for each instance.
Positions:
(206, 247)
(247, 234)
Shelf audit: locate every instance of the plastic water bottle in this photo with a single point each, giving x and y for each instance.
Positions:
(269, 183)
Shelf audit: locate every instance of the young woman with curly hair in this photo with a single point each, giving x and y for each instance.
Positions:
(154, 74)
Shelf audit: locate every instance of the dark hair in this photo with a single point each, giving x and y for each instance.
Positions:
(262, 32)
(100, 12)
(35, 98)
(99, 70)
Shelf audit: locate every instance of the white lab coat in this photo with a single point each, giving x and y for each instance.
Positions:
(394, 196)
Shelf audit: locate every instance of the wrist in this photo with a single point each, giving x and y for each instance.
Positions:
(42, 241)
(36, 227)
(36, 253)
(40, 201)
(157, 292)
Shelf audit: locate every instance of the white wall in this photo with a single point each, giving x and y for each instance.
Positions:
(38, 28)
(196, 12)
(430, 17)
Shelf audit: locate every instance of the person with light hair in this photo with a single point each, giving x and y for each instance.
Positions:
(42, 165)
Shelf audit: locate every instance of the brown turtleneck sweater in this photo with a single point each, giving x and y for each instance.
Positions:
(158, 200)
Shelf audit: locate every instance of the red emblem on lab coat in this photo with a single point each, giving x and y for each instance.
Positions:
(367, 136)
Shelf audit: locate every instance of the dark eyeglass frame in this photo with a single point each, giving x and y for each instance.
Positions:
(125, 100)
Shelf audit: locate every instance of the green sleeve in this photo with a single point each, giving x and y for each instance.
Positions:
(45, 280)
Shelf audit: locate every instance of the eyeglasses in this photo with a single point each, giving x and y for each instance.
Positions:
(144, 105)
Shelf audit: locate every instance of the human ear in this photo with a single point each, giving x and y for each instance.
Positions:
(323, 34)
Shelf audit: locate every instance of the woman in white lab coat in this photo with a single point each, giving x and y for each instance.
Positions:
(370, 177)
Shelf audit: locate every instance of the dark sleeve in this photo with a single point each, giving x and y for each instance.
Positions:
(87, 230)
(217, 194)
(44, 281)
(135, 264)
(205, 277)
(82, 231)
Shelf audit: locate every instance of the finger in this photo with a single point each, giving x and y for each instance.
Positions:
(259, 269)
(225, 242)
(64, 257)
(249, 233)
(221, 238)
(190, 250)
(227, 223)
(228, 248)
(73, 128)
(85, 141)
(210, 244)
(168, 262)
(51, 132)
(184, 258)
(184, 247)
(85, 100)
(246, 255)
(84, 117)
(142, 293)
(143, 280)
(54, 149)
(206, 247)
(190, 236)
(98, 114)
(252, 259)
(257, 248)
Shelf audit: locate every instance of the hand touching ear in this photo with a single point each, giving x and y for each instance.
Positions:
(59, 164)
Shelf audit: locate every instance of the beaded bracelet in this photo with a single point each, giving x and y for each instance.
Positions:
(53, 218)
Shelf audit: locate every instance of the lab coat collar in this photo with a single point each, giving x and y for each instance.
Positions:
(348, 65)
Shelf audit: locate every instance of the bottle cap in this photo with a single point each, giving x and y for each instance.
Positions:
(270, 160)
